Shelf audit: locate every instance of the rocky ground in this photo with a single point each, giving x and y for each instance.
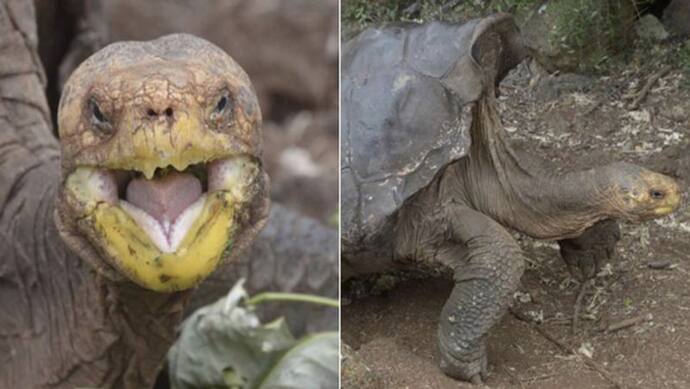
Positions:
(633, 328)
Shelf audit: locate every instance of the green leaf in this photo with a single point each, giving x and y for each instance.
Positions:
(311, 363)
(224, 345)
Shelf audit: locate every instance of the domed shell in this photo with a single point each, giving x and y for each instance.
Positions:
(406, 109)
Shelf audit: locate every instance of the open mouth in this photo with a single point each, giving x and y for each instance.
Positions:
(168, 229)
(166, 205)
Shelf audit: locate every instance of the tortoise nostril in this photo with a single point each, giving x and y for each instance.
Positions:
(153, 113)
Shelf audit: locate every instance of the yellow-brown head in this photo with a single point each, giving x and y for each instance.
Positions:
(162, 173)
(638, 194)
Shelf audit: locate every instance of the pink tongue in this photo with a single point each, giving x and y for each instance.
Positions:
(164, 198)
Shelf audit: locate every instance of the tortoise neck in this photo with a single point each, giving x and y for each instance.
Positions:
(523, 192)
(73, 327)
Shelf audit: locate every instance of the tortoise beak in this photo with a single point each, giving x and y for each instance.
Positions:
(671, 202)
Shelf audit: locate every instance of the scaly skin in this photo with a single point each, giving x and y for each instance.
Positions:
(143, 106)
(454, 223)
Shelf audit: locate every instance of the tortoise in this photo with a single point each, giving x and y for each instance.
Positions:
(155, 183)
(431, 182)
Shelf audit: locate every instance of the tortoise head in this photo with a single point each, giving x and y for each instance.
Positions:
(161, 172)
(638, 194)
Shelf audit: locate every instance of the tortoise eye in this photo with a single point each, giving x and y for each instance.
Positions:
(96, 113)
(656, 194)
(98, 119)
(222, 103)
(222, 114)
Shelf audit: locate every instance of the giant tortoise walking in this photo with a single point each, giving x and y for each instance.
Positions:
(430, 181)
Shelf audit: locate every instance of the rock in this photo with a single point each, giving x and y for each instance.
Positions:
(650, 28)
(577, 36)
(677, 17)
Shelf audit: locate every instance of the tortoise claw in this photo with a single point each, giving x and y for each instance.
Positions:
(471, 369)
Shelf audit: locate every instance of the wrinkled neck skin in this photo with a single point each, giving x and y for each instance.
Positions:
(521, 191)
(68, 326)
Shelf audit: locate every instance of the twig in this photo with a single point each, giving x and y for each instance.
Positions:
(539, 377)
(659, 264)
(628, 322)
(578, 305)
(587, 361)
(648, 86)
(560, 321)
(521, 316)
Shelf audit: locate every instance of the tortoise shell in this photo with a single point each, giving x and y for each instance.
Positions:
(407, 93)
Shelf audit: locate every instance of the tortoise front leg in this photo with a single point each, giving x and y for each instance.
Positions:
(584, 254)
(485, 282)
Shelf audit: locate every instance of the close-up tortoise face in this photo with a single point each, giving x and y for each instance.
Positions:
(161, 166)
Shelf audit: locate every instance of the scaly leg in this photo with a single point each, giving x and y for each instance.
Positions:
(485, 282)
(585, 254)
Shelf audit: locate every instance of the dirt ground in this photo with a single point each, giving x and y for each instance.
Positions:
(575, 121)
